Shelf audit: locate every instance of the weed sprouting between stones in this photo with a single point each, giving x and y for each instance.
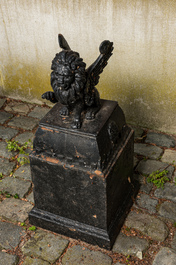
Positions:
(14, 146)
(158, 178)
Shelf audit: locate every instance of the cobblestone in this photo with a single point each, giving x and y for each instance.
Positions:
(146, 202)
(4, 151)
(15, 186)
(26, 123)
(15, 209)
(147, 225)
(7, 259)
(166, 256)
(160, 139)
(146, 167)
(7, 133)
(81, 255)
(19, 107)
(4, 116)
(5, 166)
(130, 245)
(169, 192)
(2, 101)
(10, 235)
(38, 112)
(173, 245)
(149, 151)
(24, 137)
(23, 172)
(168, 210)
(45, 246)
(169, 157)
(34, 261)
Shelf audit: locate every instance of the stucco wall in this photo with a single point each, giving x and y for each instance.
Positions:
(141, 74)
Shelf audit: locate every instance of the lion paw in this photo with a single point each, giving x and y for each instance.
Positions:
(76, 124)
(90, 115)
(64, 111)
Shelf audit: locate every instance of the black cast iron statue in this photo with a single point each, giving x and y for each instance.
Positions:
(74, 85)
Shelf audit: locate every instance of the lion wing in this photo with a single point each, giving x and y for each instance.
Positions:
(95, 69)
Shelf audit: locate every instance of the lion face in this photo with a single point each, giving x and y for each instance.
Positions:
(68, 77)
(64, 77)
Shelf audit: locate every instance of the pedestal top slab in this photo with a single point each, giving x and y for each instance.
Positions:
(54, 120)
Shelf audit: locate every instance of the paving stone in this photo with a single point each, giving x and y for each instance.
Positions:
(19, 107)
(160, 139)
(169, 192)
(30, 261)
(7, 133)
(15, 209)
(148, 225)
(146, 202)
(23, 172)
(168, 210)
(45, 246)
(128, 245)
(120, 263)
(30, 197)
(10, 235)
(144, 185)
(173, 244)
(15, 186)
(149, 151)
(81, 255)
(2, 101)
(166, 256)
(4, 151)
(24, 137)
(137, 132)
(5, 166)
(26, 123)
(4, 116)
(147, 167)
(38, 112)
(169, 157)
(7, 259)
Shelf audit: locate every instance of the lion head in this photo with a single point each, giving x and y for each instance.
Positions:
(68, 77)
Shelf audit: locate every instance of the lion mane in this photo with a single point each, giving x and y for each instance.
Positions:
(74, 67)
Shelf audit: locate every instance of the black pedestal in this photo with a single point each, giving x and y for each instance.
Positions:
(83, 183)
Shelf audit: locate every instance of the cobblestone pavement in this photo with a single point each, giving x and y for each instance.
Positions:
(148, 235)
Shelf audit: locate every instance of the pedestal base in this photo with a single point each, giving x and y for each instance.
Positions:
(83, 179)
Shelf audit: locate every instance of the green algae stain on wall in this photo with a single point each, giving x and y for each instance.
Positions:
(26, 82)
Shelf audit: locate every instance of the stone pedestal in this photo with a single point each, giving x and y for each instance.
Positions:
(83, 183)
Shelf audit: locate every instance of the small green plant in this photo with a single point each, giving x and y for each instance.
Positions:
(22, 224)
(14, 146)
(32, 228)
(158, 178)
(1, 175)
(127, 259)
(175, 224)
(23, 160)
(16, 196)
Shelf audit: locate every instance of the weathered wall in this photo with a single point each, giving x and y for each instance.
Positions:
(141, 75)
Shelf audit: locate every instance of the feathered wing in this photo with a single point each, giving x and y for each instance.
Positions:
(63, 43)
(95, 69)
